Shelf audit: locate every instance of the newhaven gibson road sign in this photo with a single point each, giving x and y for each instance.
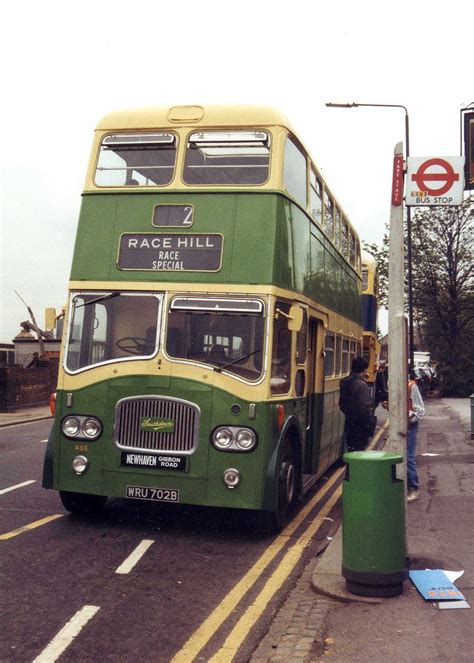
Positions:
(435, 181)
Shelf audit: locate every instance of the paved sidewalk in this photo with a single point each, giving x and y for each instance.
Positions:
(25, 415)
(321, 621)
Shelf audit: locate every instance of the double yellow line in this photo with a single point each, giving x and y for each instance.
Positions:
(217, 617)
(234, 640)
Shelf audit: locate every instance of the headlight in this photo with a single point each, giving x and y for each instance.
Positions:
(245, 439)
(79, 427)
(222, 438)
(71, 426)
(234, 438)
(92, 428)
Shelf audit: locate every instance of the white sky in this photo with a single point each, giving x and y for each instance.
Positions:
(65, 65)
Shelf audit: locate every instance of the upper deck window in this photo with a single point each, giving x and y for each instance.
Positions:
(328, 214)
(294, 174)
(352, 250)
(136, 160)
(227, 158)
(316, 196)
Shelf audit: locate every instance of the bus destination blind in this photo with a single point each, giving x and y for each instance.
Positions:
(170, 252)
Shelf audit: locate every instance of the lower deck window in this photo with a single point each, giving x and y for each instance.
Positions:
(280, 380)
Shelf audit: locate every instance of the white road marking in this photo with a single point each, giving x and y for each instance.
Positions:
(135, 557)
(66, 635)
(18, 485)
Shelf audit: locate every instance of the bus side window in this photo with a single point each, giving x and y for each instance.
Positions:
(338, 355)
(329, 344)
(328, 215)
(345, 356)
(281, 354)
(337, 229)
(345, 239)
(302, 340)
(294, 174)
(352, 250)
(316, 197)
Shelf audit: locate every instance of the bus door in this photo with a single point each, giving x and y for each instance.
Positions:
(308, 406)
(314, 396)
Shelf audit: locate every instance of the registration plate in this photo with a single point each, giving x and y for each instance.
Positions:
(153, 494)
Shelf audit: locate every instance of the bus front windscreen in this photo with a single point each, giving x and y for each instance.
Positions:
(111, 326)
(228, 334)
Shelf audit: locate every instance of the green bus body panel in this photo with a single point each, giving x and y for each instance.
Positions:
(202, 483)
(267, 240)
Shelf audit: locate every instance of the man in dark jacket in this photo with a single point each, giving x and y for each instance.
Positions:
(381, 386)
(355, 403)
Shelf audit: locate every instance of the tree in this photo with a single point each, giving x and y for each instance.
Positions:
(443, 297)
(443, 292)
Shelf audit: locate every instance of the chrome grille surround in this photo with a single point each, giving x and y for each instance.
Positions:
(130, 411)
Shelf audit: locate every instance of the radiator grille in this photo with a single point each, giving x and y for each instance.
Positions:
(131, 411)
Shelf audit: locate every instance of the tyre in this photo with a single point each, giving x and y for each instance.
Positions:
(82, 504)
(287, 491)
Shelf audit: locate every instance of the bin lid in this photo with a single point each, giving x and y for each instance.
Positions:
(372, 457)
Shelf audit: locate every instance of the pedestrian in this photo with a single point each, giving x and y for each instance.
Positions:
(356, 405)
(381, 386)
(416, 410)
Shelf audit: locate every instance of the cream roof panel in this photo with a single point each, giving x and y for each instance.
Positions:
(193, 116)
(368, 259)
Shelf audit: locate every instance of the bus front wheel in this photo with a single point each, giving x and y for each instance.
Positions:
(286, 480)
(82, 504)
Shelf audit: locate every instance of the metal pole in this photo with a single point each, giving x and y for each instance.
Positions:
(411, 342)
(398, 383)
(409, 224)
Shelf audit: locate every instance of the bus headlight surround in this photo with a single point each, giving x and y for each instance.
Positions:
(80, 427)
(231, 478)
(80, 464)
(234, 439)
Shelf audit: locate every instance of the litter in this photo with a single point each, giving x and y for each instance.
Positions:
(435, 585)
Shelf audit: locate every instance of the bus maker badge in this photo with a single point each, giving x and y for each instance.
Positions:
(157, 425)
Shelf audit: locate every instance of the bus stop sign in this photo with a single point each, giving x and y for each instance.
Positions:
(435, 181)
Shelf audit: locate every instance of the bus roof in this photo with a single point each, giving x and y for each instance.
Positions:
(368, 259)
(214, 115)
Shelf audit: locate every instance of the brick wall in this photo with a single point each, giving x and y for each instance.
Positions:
(23, 387)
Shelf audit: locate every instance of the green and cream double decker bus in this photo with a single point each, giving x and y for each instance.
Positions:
(214, 305)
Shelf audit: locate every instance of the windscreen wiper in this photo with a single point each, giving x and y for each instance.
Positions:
(98, 299)
(218, 369)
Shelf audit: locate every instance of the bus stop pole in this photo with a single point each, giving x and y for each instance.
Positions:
(397, 334)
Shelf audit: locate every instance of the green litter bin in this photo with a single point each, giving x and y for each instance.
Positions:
(374, 555)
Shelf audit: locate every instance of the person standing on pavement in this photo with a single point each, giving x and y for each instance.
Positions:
(381, 386)
(416, 410)
(356, 405)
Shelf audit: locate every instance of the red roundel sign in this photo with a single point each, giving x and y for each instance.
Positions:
(435, 180)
